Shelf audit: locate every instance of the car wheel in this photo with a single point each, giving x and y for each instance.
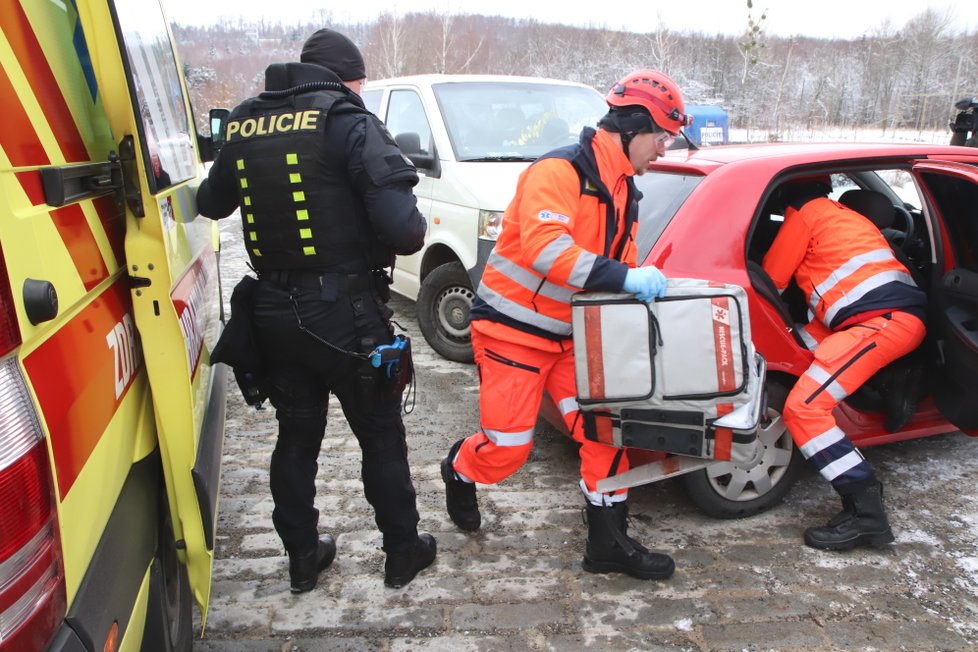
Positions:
(726, 490)
(444, 302)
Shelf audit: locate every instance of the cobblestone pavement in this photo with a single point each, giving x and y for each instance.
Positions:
(746, 584)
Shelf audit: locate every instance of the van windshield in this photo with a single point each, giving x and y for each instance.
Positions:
(515, 120)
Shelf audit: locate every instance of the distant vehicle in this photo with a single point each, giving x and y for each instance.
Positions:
(964, 129)
(470, 137)
(711, 125)
(706, 215)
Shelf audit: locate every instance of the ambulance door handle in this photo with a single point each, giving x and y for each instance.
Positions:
(67, 184)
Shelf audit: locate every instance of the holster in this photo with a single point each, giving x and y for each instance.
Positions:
(236, 346)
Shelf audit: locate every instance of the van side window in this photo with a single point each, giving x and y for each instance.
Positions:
(405, 114)
(165, 129)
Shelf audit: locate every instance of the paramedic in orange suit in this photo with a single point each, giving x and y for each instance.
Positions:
(867, 312)
(570, 227)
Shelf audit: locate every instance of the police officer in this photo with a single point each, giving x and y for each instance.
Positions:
(326, 203)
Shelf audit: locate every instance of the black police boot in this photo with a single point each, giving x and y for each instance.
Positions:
(304, 568)
(610, 549)
(862, 522)
(460, 500)
(401, 567)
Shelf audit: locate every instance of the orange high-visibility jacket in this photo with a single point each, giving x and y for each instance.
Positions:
(842, 263)
(570, 227)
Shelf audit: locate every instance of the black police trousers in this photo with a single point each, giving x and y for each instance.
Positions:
(302, 373)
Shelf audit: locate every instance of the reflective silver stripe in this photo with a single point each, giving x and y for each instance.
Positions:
(867, 286)
(509, 438)
(582, 269)
(568, 405)
(810, 342)
(550, 253)
(821, 442)
(821, 377)
(526, 279)
(841, 465)
(602, 500)
(522, 313)
(847, 269)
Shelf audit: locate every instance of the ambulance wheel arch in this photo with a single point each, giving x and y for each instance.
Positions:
(725, 490)
(444, 302)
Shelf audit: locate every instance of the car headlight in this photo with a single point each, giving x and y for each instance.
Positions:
(490, 224)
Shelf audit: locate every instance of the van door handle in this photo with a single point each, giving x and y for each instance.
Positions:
(66, 184)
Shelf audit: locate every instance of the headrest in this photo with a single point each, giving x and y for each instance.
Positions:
(872, 204)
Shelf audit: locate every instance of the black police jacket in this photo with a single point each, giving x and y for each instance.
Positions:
(320, 182)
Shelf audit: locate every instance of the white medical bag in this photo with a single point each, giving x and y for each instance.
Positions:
(678, 375)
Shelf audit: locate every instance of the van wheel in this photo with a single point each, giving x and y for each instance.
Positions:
(169, 614)
(725, 490)
(444, 302)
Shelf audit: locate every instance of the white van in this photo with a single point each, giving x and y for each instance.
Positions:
(470, 137)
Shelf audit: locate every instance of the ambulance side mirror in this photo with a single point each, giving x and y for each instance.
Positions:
(219, 122)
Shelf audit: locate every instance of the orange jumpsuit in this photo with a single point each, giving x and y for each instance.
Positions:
(570, 227)
(867, 311)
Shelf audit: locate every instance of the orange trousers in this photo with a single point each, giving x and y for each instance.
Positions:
(513, 378)
(844, 360)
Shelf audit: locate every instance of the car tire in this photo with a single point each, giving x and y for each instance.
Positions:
(169, 614)
(444, 302)
(727, 491)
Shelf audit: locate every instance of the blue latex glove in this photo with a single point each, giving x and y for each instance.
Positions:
(646, 283)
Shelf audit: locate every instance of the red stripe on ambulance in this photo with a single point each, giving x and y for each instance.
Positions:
(190, 299)
(23, 42)
(113, 220)
(17, 136)
(30, 181)
(82, 374)
(82, 247)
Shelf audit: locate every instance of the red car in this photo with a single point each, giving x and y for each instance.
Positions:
(705, 214)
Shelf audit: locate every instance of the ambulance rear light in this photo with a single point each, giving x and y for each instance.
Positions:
(9, 331)
(32, 588)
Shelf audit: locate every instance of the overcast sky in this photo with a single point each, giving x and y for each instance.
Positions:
(818, 18)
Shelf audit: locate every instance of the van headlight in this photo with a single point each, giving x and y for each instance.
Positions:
(490, 224)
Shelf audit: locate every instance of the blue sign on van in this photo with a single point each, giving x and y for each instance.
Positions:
(711, 125)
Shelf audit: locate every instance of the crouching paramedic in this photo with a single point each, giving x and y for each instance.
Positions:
(867, 311)
(326, 201)
(570, 227)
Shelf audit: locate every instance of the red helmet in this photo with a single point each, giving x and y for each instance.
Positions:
(657, 93)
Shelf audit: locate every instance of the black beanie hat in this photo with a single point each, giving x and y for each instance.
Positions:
(330, 49)
(628, 119)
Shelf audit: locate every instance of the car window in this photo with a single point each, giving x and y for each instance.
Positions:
(663, 194)
(405, 114)
(515, 120)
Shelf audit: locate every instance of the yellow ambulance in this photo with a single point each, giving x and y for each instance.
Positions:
(111, 416)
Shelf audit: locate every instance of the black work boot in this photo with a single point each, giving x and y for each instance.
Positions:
(401, 567)
(610, 549)
(460, 500)
(304, 568)
(862, 522)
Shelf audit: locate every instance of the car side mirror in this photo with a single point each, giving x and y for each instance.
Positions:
(410, 145)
